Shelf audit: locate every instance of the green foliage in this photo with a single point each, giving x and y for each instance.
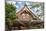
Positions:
(10, 13)
(35, 5)
(9, 7)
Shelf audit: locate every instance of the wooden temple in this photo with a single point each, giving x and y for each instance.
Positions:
(25, 14)
(26, 19)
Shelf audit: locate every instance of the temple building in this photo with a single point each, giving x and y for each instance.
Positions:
(25, 14)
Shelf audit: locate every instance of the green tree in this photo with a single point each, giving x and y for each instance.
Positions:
(10, 13)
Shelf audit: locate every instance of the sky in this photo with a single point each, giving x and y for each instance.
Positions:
(21, 4)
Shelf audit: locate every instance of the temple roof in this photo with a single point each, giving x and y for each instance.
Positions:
(25, 8)
(25, 5)
(22, 8)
